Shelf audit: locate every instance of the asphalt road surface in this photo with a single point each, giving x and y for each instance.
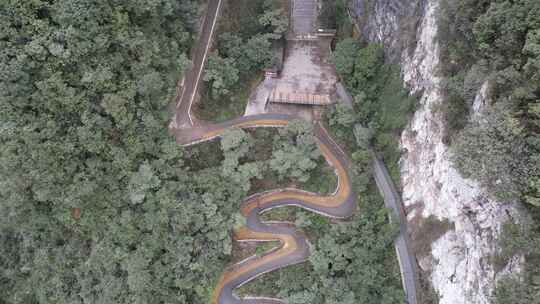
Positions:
(184, 100)
(406, 258)
(293, 246)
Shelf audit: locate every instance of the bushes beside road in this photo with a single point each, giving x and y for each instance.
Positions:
(248, 31)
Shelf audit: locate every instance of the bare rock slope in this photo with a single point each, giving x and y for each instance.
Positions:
(457, 258)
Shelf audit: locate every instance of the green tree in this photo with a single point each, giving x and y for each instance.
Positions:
(345, 50)
(276, 21)
(222, 75)
(258, 52)
(98, 205)
(367, 64)
(494, 151)
(295, 151)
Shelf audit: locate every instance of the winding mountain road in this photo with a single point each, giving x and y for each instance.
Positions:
(293, 247)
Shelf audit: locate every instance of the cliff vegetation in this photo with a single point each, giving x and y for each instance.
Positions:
(497, 44)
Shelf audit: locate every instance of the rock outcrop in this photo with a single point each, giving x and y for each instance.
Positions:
(458, 258)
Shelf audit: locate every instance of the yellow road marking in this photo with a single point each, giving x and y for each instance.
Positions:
(288, 242)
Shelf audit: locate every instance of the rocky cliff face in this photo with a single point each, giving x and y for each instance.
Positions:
(458, 260)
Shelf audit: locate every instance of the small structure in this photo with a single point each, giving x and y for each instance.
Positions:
(326, 33)
(272, 72)
(300, 98)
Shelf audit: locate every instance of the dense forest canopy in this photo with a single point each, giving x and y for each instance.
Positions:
(98, 204)
(247, 39)
(92, 185)
(498, 41)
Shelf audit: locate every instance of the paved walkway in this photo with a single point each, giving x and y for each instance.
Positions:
(307, 69)
(304, 14)
(293, 246)
(259, 98)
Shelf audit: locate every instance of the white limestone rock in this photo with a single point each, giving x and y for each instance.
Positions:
(460, 266)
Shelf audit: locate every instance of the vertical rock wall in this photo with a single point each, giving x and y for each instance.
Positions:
(458, 260)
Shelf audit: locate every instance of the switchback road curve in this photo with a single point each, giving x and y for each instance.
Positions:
(293, 247)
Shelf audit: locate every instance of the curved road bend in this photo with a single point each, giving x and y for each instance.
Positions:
(293, 246)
